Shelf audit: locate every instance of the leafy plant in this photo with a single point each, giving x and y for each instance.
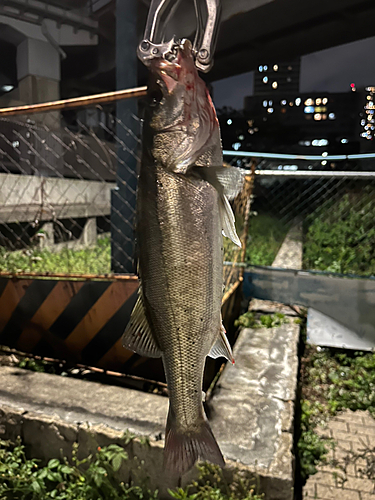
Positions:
(36, 365)
(252, 320)
(95, 260)
(212, 485)
(340, 236)
(91, 478)
(332, 380)
(266, 235)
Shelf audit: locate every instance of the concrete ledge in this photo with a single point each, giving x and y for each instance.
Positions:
(253, 407)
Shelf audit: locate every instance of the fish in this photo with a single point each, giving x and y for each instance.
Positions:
(182, 212)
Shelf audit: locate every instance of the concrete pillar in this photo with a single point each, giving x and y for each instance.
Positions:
(123, 197)
(38, 73)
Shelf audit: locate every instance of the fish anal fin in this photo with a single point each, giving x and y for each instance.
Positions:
(183, 449)
(138, 335)
(221, 347)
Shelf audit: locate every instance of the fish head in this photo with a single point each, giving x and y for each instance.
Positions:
(182, 121)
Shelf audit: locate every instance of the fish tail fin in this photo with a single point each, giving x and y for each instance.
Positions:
(182, 450)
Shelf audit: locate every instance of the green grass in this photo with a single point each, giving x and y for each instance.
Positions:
(340, 236)
(97, 477)
(266, 235)
(92, 260)
(332, 380)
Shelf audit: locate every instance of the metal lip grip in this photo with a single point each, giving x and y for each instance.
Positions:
(153, 44)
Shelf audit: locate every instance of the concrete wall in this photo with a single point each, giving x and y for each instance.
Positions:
(25, 197)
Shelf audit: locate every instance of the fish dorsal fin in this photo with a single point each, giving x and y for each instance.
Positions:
(138, 336)
(228, 221)
(221, 347)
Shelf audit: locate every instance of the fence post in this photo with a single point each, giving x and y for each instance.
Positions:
(123, 198)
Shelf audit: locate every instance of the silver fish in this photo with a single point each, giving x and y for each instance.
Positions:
(182, 211)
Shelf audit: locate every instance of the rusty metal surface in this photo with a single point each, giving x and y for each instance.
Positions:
(75, 102)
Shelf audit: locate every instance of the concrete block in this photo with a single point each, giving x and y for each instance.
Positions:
(89, 233)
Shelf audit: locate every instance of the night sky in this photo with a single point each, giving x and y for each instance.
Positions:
(330, 70)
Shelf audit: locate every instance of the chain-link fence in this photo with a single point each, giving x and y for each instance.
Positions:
(68, 192)
(333, 197)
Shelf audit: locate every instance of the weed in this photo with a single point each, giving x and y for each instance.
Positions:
(266, 235)
(87, 479)
(253, 320)
(212, 485)
(95, 260)
(95, 477)
(340, 236)
(332, 380)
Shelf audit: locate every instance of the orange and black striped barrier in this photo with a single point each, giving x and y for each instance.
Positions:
(80, 319)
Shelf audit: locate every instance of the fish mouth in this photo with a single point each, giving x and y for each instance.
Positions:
(168, 73)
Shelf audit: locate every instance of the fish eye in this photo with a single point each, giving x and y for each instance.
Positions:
(155, 96)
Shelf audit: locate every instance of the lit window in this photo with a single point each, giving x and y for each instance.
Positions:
(265, 104)
(229, 122)
(270, 103)
(270, 110)
(241, 137)
(288, 79)
(320, 142)
(290, 68)
(309, 102)
(7, 88)
(265, 68)
(283, 102)
(236, 146)
(344, 141)
(275, 67)
(274, 85)
(324, 117)
(291, 103)
(332, 116)
(265, 79)
(325, 153)
(363, 122)
(309, 109)
(260, 69)
(317, 117)
(324, 162)
(298, 101)
(320, 109)
(318, 101)
(324, 100)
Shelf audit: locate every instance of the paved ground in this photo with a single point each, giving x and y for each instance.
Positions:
(351, 473)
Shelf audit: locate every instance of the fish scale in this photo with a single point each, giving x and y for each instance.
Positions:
(182, 210)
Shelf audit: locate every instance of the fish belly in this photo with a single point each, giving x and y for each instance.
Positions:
(180, 260)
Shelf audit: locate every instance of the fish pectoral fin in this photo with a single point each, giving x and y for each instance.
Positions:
(221, 347)
(228, 220)
(226, 180)
(138, 336)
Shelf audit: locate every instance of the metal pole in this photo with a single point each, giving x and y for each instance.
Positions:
(123, 198)
(76, 102)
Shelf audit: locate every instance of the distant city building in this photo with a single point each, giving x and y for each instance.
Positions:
(309, 123)
(277, 77)
(367, 115)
